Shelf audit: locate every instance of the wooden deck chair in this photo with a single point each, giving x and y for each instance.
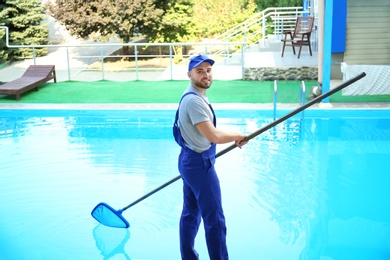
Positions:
(33, 77)
(300, 36)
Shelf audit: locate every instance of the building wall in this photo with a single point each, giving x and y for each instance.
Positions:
(368, 32)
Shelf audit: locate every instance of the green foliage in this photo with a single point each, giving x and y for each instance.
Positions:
(23, 18)
(215, 17)
(264, 4)
(177, 24)
(126, 19)
(3, 53)
(156, 20)
(159, 21)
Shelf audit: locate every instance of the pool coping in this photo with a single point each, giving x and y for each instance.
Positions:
(173, 106)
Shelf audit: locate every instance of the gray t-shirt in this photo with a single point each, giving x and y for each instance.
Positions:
(193, 110)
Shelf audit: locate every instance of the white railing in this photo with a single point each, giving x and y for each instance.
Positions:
(228, 49)
(255, 30)
(72, 59)
(271, 19)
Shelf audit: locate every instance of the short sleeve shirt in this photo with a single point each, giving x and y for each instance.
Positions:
(193, 110)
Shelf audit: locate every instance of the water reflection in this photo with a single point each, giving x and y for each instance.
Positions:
(111, 241)
(311, 189)
(283, 171)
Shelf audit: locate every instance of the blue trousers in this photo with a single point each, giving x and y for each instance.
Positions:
(202, 199)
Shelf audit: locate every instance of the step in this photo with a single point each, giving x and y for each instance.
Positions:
(269, 47)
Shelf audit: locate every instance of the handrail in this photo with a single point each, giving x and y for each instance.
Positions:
(113, 44)
(275, 97)
(245, 33)
(302, 93)
(258, 19)
(302, 96)
(101, 56)
(255, 20)
(248, 30)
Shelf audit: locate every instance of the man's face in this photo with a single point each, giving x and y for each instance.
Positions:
(201, 76)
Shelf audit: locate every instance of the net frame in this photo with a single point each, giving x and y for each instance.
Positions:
(108, 216)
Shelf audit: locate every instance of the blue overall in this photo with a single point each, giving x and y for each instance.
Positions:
(202, 199)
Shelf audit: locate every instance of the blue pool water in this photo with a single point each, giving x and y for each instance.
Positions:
(316, 188)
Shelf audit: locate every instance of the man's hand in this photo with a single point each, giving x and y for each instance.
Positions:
(242, 142)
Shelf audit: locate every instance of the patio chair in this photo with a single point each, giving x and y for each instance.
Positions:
(300, 36)
(33, 77)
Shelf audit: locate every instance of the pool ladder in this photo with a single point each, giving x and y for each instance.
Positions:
(302, 96)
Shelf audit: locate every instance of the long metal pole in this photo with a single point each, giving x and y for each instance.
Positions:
(267, 127)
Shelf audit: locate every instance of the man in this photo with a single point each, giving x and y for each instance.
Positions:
(195, 131)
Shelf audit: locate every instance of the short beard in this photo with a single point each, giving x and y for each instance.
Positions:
(200, 85)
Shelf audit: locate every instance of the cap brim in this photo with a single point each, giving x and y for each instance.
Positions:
(200, 62)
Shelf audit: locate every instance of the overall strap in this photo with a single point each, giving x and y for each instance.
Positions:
(177, 111)
(212, 110)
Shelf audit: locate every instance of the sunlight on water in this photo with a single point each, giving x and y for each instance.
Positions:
(308, 189)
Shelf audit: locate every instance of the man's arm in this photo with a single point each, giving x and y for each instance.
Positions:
(215, 135)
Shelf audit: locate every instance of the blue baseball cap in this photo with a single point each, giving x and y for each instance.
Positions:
(197, 60)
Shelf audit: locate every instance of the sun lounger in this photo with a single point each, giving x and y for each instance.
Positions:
(34, 76)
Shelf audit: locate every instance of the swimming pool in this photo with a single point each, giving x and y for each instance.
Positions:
(315, 188)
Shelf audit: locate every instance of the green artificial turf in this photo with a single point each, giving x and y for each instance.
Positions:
(232, 91)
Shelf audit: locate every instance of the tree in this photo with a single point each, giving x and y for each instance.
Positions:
(122, 18)
(24, 21)
(3, 53)
(264, 4)
(157, 20)
(177, 24)
(215, 17)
